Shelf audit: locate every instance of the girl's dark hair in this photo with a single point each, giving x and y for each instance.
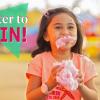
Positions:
(46, 19)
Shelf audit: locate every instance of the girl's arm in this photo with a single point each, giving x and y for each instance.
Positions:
(33, 89)
(35, 82)
(88, 90)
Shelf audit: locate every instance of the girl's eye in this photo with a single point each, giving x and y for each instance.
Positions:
(58, 27)
(70, 27)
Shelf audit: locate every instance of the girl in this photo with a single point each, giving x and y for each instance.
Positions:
(55, 24)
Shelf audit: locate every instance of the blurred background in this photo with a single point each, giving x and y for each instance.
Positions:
(13, 81)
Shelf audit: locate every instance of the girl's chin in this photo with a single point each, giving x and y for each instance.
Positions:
(64, 48)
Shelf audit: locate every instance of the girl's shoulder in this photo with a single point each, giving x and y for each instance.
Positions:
(87, 67)
(83, 58)
(42, 55)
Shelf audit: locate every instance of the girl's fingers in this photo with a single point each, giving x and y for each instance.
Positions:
(80, 80)
(56, 71)
(80, 77)
(80, 74)
(59, 69)
(55, 68)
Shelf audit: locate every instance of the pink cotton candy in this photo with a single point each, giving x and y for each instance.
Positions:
(63, 40)
(67, 77)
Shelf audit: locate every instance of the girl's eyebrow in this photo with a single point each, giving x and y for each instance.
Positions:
(70, 23)
(57, 24)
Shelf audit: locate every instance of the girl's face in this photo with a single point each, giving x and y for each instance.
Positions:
(61, 25)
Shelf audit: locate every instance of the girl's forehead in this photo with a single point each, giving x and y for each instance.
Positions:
(62, 18)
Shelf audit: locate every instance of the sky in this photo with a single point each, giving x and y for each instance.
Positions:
(92, 5)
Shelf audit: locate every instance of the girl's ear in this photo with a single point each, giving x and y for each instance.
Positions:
(46, 37)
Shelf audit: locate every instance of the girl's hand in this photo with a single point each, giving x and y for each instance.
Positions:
(80, 79)
(87, 90)
(52, 79)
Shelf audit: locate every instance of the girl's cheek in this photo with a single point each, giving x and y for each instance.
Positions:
(74, 40)
(57, 33)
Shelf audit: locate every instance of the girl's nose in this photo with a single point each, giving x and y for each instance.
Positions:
(65, 31)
